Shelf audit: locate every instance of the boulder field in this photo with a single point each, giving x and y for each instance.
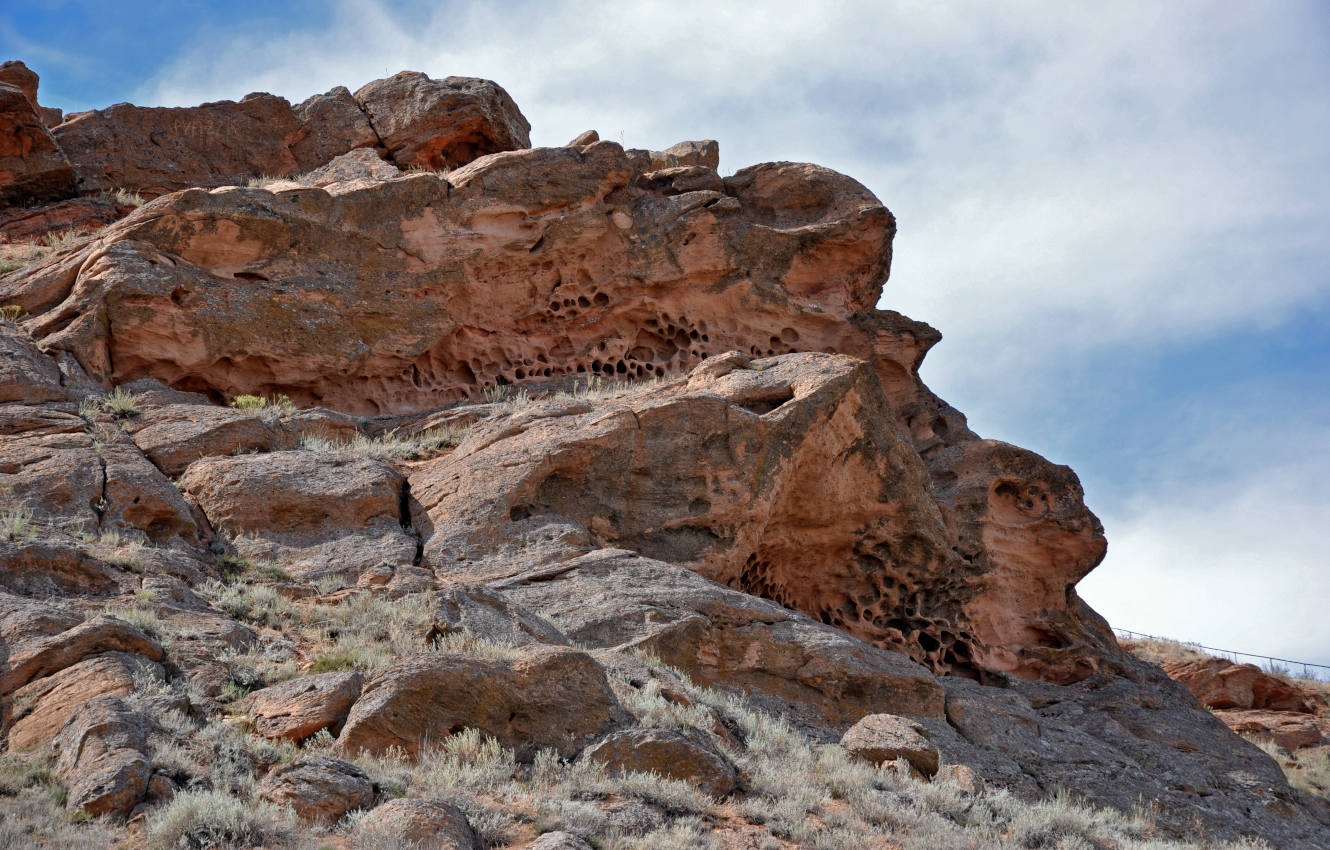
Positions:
(564, 415)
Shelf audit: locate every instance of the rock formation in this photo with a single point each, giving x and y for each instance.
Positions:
(438, 446)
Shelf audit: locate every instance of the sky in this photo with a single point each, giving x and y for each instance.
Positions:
(1116, 214)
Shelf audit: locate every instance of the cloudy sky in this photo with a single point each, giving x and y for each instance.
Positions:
(1116, 213)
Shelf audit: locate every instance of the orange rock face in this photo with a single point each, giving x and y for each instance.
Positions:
(397, 295)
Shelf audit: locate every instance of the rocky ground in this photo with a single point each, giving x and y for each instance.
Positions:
(383, 481)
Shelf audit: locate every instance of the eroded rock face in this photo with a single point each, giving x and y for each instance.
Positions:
(32, 165)
(528, 266)
(755, 474)
(51, 700)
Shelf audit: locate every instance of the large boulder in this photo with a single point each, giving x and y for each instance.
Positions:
(100, 758)
(154, 150)
(1220, 683)
(298, 708)
(318, 788)
(539, 698)
(444, 123)
(675, 754)
(40, 643)
(318, 514)
(51, 700)
(882, 738)
(415, 823)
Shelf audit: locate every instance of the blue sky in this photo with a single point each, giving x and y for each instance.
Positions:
(1116, 214)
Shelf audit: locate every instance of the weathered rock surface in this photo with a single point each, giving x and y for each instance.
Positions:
(51, 700)
(315, 513)
(100, 758)
(40, 643)
(1289, 729)
(543, 697)
(32, 165)
(418, 121)
(26, 375)
(422, 824)
(686, 756)
(1220, 683)
(489, 615)
(751, 473)
(882, 738)
(296, 709)
(318, 788)
(616, 599)
(442, 123)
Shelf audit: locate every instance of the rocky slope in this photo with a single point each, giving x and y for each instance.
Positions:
(439, 433)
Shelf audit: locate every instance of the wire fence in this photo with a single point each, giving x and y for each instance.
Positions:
(1272, 664)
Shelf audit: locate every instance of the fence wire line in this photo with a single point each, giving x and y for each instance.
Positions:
(1231, 654)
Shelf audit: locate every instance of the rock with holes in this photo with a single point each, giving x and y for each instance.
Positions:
(47, 703)
(754, 473)
(1220, 683)
(298, 708)
(530, 699)
(779, 658)
(100, 756)
(523, 267)
(49, 465)
(683, 755)
(318, 788)
(436, 124)
(315, 513)
(32, 165)
(882, 738)
(421, 824)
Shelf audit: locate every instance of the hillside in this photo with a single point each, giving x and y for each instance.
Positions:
(372, 479)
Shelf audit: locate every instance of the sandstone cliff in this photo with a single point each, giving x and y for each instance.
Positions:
(440, 432)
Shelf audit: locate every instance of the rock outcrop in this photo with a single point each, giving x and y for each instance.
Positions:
(545, 467)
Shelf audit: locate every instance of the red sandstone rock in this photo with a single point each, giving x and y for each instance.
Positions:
(544, 697)
(19, 75)
(1290, 730)
(1220, 683)
(333, 124)
(442, 123)
(315, 513)
(32, 165)
(53, 699)
(35, 653)
(296, 709)
(100, 758)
